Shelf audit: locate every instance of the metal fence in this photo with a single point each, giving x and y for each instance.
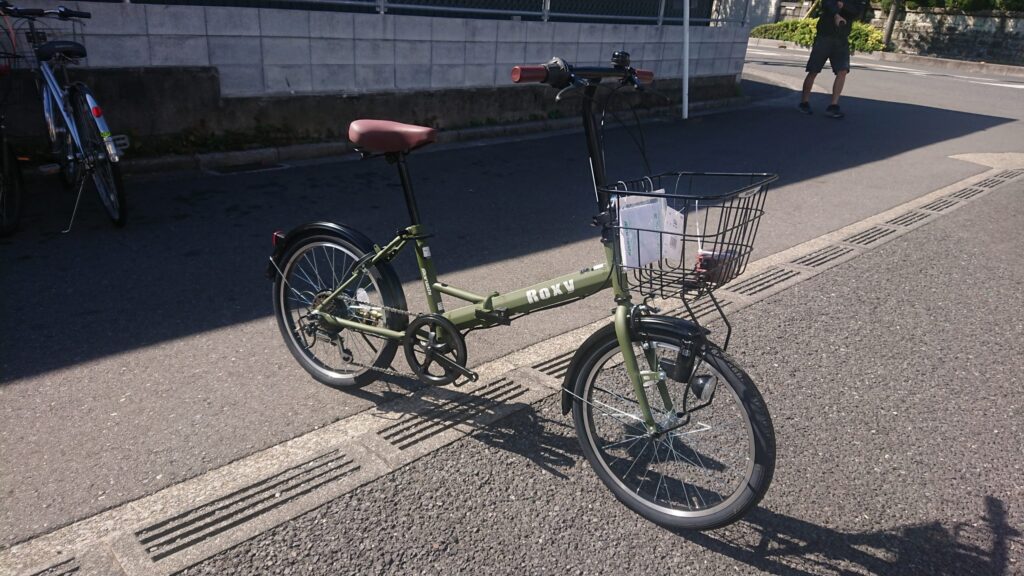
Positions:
(610, 11)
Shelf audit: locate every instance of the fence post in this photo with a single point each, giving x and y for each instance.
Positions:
(546, 10)
(661, 12)
(382, 6)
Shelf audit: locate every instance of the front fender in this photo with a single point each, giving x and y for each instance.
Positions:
(685, 328)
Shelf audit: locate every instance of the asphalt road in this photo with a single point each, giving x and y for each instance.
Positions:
(894, 384)
(131, 360)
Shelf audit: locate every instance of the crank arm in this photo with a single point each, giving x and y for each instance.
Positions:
(452, 365)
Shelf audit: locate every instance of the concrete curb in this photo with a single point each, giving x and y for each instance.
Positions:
(275, 155)
(960, 65)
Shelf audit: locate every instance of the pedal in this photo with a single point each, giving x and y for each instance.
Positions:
(122, 141)
(49, 169)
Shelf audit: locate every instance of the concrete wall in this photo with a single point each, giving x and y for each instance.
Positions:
(261, 51)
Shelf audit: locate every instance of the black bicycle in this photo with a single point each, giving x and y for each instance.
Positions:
(11, 185)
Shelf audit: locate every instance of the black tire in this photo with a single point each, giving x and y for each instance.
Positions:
(614, 438)
(106, 175)
(313, 266)
(11, 193)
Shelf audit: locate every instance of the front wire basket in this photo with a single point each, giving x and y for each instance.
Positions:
(684, 234)
(47, 29)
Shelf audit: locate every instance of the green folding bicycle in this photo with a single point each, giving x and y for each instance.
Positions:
(676, 430)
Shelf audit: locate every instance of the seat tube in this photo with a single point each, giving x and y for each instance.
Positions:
(423, 257)
(410, 199)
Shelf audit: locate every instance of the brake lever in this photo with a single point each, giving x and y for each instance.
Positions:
(575, 84)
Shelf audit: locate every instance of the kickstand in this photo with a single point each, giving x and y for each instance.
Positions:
(78, 197)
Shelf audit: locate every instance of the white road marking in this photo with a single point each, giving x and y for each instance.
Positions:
(999, 84)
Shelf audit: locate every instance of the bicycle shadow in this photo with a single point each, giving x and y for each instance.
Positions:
(778, 544)
(764, 540)
(491, 413)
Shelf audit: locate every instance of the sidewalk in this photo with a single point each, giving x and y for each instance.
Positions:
(958, 65)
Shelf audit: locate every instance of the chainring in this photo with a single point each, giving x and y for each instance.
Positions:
(433, 348)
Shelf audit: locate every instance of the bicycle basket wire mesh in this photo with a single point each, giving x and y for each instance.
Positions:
(685, 233)
(47, 29)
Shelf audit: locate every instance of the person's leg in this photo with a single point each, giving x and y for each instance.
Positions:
(816, 61)
(808, 85)
(837, 86)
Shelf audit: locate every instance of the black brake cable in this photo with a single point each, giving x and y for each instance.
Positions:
(641, 145)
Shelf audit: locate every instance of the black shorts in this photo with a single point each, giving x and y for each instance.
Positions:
(835, 49)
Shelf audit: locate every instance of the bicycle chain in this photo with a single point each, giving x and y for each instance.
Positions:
(387, 371)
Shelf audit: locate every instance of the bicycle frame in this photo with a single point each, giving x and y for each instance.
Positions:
(51, 88)
(497, 309)
(52, 94)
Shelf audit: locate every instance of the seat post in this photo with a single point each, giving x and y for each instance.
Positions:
(403, 173)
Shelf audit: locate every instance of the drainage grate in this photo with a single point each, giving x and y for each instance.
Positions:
(194, 526)
(763, 281)
(1010, 174)
(990, 182)
(66, 567)
(824, 256)
(940, 205)
(556, 367)
(416, 428)
(870, 236)
(967, 193)
(909, 218)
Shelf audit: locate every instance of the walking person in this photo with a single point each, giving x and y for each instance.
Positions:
(832, 43)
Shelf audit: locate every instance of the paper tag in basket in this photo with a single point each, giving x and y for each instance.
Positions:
(674, 228)
(640, 221)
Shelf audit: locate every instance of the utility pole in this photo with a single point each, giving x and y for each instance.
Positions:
(890, 22)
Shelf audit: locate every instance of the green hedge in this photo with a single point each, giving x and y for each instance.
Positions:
(863, 37)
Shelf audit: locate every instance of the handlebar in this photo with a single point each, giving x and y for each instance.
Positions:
(68, 13)
(61, 12)
(559, 74)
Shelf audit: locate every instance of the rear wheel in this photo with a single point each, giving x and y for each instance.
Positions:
(699, 471)
(106, 175)
(310, 270)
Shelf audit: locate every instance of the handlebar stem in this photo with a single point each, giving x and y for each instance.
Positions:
(595, 149)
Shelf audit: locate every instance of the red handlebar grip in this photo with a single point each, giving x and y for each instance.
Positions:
(522, 74)
(645, 76)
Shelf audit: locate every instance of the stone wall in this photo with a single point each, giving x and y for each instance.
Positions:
(995, 38)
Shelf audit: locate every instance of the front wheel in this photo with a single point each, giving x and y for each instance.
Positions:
(106, 175)
(309, 271)
(700, 470)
